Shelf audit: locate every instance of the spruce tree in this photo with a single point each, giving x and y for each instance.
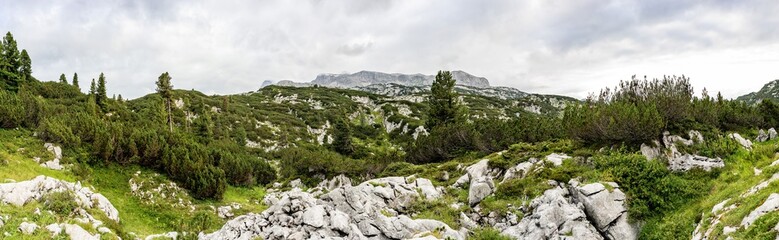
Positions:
(342, 140)
(63, 80)
(92, 88)
(101, 97)
(165, 89)
(10, 65)
(443, 102)
(75, 81)
(26, 66)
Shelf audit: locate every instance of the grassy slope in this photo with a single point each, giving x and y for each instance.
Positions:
(112, 182)
(736, 178)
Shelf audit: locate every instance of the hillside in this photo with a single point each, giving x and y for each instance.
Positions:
(646, 159)
(769, 91)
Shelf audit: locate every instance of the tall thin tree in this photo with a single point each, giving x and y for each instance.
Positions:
(165, 89)
(75, 81)
(25, 67)
(101, 97)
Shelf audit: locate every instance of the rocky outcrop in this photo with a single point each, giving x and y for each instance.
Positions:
(370, 210)
(592, 211)
(57, 152)
(763, 135)
(520, 170)
(72, 230)
(479, 177)
(741, 140)
(556, 158)
(20, 193)
(554, 216)
(604, 204)
(685, 162)
(679, 161)
(771, 204)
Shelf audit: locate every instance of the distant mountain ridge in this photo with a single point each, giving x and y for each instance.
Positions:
(365, 78)
(769, 91)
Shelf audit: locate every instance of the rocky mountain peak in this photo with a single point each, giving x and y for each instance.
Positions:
(769, 91)
(365, 78)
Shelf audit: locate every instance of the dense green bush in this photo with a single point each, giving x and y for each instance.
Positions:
(651, 188)
(62, 203)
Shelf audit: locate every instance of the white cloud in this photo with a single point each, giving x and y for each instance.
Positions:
(557, 47)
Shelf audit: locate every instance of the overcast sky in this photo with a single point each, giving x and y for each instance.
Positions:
(544, 46)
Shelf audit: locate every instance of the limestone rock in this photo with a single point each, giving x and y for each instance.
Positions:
(557, 159)
(479, 189)
(651, 152)
(224, 211)
(54, 228)
(20, 193)
(742, 141)
(315, 216)
(606, 208)
(297, 183)
(76, 232)
(369, 210)
(762, 136)
(520, 170)
(685, 162)
(336, 182)
(554, 216)
(771, 204)
(772, 134)
(695, 136)
(27, 228)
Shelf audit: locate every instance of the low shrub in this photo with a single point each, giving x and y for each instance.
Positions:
(62, 203)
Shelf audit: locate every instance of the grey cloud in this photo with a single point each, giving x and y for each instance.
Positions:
(538, 46)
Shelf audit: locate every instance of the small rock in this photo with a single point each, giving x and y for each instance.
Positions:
(480, 188)
(54, 228)
(762, 136)
(27, 228)
(557, 159)
(297, 183)
(314, 216)
(741, 140)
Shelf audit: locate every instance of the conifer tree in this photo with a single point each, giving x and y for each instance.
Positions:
(75, 81)
(92, 88)
(444, 106)
(10, 64)
(101, 96)
(342, 140)
(25, 66)
(63, 80)
(165, 89)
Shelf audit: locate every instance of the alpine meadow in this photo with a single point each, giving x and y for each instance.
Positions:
(546, 148)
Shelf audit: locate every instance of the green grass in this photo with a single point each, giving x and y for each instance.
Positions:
(113, 182)
(734, 179)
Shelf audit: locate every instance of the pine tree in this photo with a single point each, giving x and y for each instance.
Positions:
(10, 65)
(63, 80)
(101, 97)
(444, 106)
(75, 81)
(119, 98)
(26, 66)
(342, 140)
(92, 88)
(165, 89)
